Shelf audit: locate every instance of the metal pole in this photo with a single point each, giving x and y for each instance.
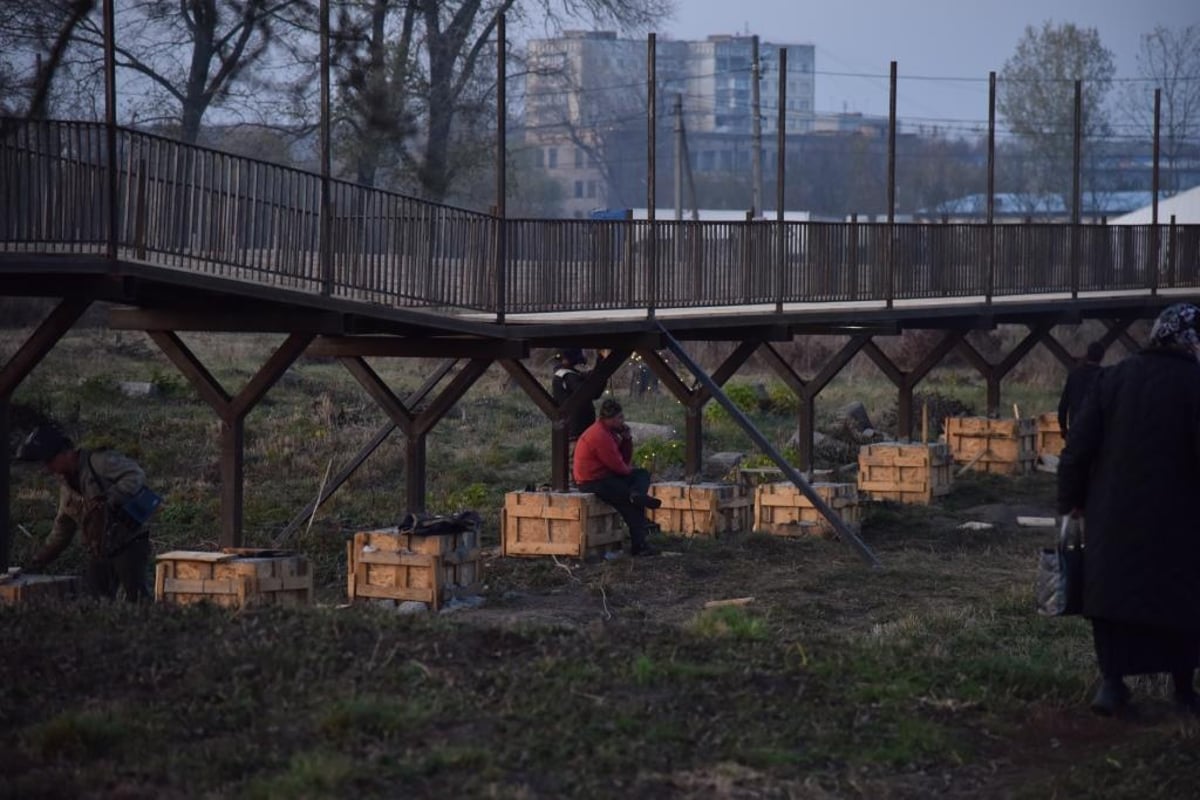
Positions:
(326, 221)
(110, 126)
(891, 191)
(651, 177)
(501, 167)
(1154, 237)
(678, 157)
(780, 177)
(756, 126)
(991, 187)
(791, 473)
(1076, 191)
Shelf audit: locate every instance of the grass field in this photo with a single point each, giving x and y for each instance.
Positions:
(929, 677)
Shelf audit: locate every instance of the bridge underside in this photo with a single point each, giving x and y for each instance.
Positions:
(163, 302)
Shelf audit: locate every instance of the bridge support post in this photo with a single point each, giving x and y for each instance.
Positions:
(993, 374)
(232, 411)
(806, 391)
(906, 382)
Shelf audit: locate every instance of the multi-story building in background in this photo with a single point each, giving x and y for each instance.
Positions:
(586, 100)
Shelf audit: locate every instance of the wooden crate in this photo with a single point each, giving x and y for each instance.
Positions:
(32, 588)
(573, 524)
(386, 564)
(908, 473)
(1002, 446)
(783, 510)
(1050, 439)
(701, 509)
(237, 577)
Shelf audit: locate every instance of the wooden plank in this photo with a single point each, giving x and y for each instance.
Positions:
(397, 559)
(424, 595)
(203, 556)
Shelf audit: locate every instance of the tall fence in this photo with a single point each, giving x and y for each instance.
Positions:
(203, 211)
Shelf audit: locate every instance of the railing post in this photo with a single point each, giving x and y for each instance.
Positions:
(110, 127)
(990, 287)
(1076, 195)
(501, 169)
(326, 210)
(891, 192)
(1154, 196)
(780, 187)
(139, 222)
(1171, 276)
(652, 175)
(854, 256)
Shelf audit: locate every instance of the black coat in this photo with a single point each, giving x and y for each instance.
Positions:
(1132, 462)
(1075, 392)
(566, 381)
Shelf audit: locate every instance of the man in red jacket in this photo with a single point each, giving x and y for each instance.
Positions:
(604, 467)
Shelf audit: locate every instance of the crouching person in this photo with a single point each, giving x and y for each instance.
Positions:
(94, 489)
(603, 466)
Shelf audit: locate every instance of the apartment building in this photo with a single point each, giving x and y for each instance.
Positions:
(586, 99)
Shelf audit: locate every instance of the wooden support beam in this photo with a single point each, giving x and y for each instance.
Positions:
(232, 412)
(1061, 353)
(399, 414)
(244, 320)
(1117, 331)
(417, 347)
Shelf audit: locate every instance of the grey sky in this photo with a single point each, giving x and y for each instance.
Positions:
(928, 38)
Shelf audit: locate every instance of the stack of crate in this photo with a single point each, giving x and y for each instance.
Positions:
(907, 473)
(783, 510)
(1001, 446)
(234, 577)
(573, 524)
(385, 564)
(701, 509)
(1050, 439)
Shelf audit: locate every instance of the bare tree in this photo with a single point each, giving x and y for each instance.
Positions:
(176, 58)
(1036, 97)
(33, 51)
(1168, 59)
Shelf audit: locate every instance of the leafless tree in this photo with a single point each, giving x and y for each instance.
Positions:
(33, 51)
(1169, 60)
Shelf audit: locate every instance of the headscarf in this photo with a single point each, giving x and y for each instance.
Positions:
(1176, 325)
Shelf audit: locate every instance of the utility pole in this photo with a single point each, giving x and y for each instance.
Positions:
(756, 127)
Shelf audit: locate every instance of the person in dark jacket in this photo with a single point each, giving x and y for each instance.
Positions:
(1078, 382)
(94, 487)
(1131, 469)
(567, 379)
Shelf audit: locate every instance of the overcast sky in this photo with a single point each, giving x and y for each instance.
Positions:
(927, 38)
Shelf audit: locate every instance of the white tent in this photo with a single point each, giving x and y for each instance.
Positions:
(1185, 206)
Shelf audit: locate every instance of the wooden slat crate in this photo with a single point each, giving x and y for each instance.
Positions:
(783, 510)
(573, 524)
(385, 564)
(908, 473)
(238, 578)
(33, 588)
(1002, 446)
(1050, 440)
(701, 509)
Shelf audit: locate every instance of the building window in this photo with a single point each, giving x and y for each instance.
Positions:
(552, 157)
(579, 188)
(578, 158)
(591, 189)
(539, 158)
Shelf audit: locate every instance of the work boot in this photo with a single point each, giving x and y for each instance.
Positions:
(645, 500)
(1111, 697)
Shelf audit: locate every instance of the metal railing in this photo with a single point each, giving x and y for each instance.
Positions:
(196, 209)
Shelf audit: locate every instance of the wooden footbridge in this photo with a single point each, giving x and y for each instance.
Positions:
(183, 238)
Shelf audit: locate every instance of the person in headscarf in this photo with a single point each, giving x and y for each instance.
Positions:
(1131, 469)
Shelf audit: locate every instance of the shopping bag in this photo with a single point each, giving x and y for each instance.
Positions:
(1058, 585)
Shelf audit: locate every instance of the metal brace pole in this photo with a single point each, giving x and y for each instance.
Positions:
(843, 531)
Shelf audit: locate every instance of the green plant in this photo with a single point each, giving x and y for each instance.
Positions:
(728, 621)
(657, 454)
(745, 396)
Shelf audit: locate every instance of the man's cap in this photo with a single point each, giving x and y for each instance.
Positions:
(43, 443)
(572, 355)
(610, 408)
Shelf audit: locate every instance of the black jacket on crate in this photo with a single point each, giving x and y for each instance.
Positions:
(1132, 462)
(566, 381)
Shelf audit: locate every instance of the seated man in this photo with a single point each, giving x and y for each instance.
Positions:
(603, 466)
